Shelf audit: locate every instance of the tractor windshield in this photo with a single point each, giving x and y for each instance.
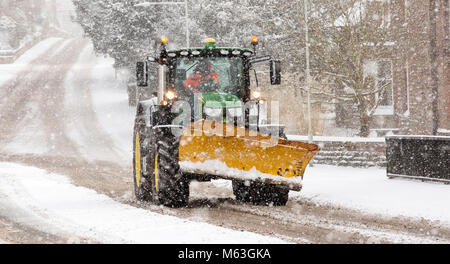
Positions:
(209, 74)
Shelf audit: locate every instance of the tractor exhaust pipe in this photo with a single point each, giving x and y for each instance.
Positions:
(162, 68)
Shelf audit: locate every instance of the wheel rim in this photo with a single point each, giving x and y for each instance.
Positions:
(138, 161)
(156, 173)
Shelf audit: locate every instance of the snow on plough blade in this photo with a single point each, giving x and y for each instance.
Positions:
(208, 149)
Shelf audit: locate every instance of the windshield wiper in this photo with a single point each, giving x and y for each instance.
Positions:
(191, 67)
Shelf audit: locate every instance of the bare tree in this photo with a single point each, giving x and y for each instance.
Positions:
(349, 40)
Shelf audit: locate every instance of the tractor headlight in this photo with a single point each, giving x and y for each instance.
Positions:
(213, 112)
(170, 95)
(256, 95)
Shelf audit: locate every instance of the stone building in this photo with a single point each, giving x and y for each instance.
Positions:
(417, 65)
(420, 67)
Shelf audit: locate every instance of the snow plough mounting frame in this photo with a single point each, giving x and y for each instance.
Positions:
(177, 138)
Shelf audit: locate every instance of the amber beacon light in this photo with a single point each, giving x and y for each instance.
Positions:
(255, 41)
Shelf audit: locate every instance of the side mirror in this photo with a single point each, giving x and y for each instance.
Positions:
(141, 74)
(275, 72)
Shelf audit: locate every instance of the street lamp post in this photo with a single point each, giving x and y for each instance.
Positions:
(187, 25)
(147, 4)
(308, 72)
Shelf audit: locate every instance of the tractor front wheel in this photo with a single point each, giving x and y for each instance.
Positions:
(141, 189)
(169, 184)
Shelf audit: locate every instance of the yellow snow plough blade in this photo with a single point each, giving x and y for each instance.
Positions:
(206, 148)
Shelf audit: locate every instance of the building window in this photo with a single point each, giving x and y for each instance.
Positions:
(384, 81)
(382, 11)
(382, 72)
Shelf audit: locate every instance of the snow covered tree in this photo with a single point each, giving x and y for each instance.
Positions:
(127, 32)
(231, 22)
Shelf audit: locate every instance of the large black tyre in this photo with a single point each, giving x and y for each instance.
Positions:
(260, 193)
(269, 194)
(171, 188)
(242, 191)
(142, 189)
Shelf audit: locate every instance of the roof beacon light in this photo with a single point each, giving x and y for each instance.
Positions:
(164, 41)
(210, 43)
(255, 41)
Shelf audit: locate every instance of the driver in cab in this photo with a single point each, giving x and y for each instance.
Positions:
(202, 76)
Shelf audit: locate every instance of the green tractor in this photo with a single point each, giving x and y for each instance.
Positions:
(205, 122)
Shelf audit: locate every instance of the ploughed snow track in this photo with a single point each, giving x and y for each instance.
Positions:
(50, 118)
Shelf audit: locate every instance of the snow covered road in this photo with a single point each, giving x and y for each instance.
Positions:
(52, 199)
(369, 190)
(10, 71)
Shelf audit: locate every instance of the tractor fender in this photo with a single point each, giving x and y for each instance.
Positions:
(144, 111)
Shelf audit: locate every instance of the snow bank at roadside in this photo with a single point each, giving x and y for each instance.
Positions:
(31, 137)
(110, 102)
(9, 71)
(85, 213)
(371, 191)
(91, 103)
(106, 133)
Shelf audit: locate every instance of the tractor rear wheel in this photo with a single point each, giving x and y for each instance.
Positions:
(241, 190)
(260, 193)
(269, 194)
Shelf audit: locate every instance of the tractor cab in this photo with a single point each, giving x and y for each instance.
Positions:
(208, 70)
